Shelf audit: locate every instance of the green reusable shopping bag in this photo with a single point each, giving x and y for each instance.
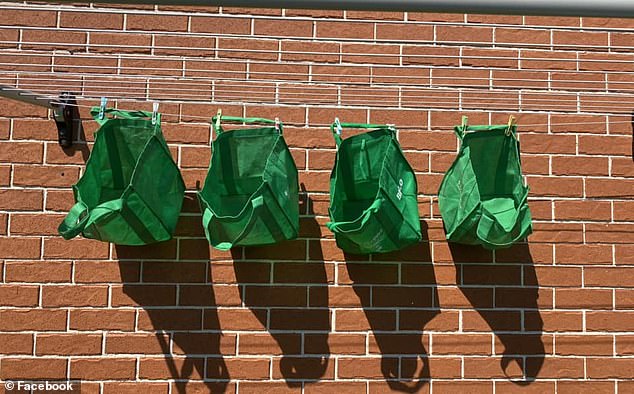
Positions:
(251, 194)
(482, 198)
(131, 192)
(373, 207)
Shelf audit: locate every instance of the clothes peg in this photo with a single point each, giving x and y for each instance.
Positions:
(67, 119)
(338, 127)
(155, 108)
(465, 122)
(102, 108)
(277, 124)
(512, 122)
(218, 116)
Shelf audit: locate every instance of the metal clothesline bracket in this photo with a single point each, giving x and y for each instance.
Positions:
(67, 119)
(65, 110)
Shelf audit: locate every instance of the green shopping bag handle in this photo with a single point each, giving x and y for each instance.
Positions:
(215, 121)
(461, 131)
(112, 113)
(257, 204)
(336, 127)
(75, 222)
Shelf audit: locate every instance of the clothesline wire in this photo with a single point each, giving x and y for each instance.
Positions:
(340, 53)
(222, 15)
(207, 119)
(243, 61)
(325, 39)
(326, 85)
(256, 97)
(64, 77)
(463, 97)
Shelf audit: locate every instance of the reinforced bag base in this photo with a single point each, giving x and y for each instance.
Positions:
(131, 192)
(373, 193)
(251, 193)
(482, 198)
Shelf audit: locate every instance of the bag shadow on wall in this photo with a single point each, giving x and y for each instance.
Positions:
(289, 296)
(398, 311)
(505, 294)
(152, 277)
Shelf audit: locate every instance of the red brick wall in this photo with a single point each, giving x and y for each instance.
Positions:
(551, 315)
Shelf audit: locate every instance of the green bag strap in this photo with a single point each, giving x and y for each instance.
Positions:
(75, 222)
(236, 119)
(462, 129)
(259, 209)
(337, 127)
(112, 113)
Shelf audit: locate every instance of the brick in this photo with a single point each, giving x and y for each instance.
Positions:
(604, 145)
(51, 176)
(35, 224)
(61, 296)
(355, 320)
(42, 40)
(584, 345)
(20, 248)
(143, 295)
(498, 58)
(189, 343)
(583, 210)
(624, 254)
(170, 319)
(293, 28)
(33, 368)
(618, 233)
(404, 32)
(591, 40)
(251, 368)
(323, 52)
(137, 344)
(21, 199)
(555, 187)
(19, 296)
(91, 20)
(261, 344)
(158, 368)
(584, 254)
(452, 34)
(344, 344)
(608, 321)
(99, 369)
(518, 36)
(534, 59)
(602, 368)
(120, 43)
(252, 49)
(132, 388)
(472, 344)
(29, 18)
(18, 344)
(80, 249)
(156, 22)
(21, 152)
(617, 188)
(387, 344)
(32, 319)
(220, 25)
(68, 344)
(584, 299)
(178, 45)
(99, 319)
(370, 53)
(615, 276)
(584, 387)
(434, 56)
(585, 166)
(360, 30)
